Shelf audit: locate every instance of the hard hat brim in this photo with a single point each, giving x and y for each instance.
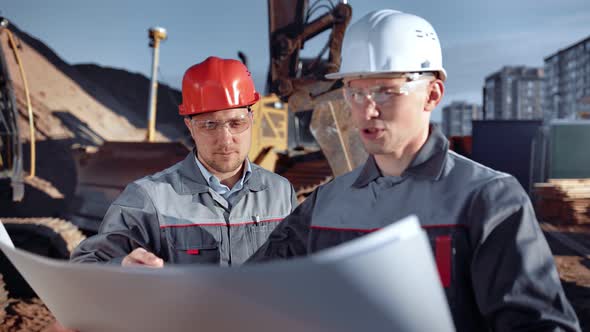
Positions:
(359, 75)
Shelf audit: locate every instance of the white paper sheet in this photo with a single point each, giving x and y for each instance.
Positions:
(4, 237)
(384, 281)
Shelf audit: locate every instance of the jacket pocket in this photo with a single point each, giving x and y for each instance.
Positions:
(257, 234)
(452, 256)
(264, 227)
(194, 244)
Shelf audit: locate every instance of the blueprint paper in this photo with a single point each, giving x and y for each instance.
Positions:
(384, 281)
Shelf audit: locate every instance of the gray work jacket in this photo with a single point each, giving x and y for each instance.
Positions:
(494, 262)
(178, 217)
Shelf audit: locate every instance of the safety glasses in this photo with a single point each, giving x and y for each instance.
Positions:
(382, 95)
(235, 125)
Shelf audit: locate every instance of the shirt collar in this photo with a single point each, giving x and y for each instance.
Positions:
(219, 187)
(428, 163)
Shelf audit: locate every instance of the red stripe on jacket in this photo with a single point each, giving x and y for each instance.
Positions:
(222, 224)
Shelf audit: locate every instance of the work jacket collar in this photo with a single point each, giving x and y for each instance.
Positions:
(428, 163)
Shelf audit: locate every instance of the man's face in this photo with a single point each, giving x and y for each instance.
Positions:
(222, 138)
(389, 112)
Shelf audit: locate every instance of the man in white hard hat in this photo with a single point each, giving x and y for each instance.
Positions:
(494, 263)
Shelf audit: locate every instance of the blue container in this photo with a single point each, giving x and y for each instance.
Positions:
(511, 146)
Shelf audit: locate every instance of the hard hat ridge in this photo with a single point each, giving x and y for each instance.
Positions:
(390, 41)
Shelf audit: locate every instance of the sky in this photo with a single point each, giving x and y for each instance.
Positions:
(478, 37)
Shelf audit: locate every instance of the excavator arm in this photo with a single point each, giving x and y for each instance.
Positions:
(11, 158)
(318, 115)
(290, 26)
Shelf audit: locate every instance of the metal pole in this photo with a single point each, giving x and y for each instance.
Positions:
(156, 34)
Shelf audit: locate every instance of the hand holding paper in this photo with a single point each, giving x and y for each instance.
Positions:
(142, 257)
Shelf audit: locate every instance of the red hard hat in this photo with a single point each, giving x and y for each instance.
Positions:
(216, 84)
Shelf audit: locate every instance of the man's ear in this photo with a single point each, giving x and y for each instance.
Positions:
(187, 123)
(436, 91)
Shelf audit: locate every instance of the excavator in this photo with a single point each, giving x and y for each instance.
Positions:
(51, 237)
(301, 127)
(322, 143)
(301, 130)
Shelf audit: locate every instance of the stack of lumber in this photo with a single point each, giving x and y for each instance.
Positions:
(564, 201)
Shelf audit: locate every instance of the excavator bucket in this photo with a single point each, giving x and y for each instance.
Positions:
(103, 173)
(333, 130)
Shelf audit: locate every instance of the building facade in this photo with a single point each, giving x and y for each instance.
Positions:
(514, 93)
(457, 117)
(567, 82)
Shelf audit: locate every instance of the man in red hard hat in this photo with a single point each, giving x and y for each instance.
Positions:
(213, 207)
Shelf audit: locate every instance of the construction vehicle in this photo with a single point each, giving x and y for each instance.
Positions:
(51, 237)
(282, 140)
(321, 139)
(11, 163)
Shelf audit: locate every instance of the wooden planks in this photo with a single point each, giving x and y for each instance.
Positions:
(564, 201)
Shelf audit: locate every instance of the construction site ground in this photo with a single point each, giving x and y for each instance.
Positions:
(570, 245)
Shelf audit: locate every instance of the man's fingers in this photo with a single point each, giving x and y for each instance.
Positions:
(143, 257)
(150, 259)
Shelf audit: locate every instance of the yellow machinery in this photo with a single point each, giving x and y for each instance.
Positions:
(269, 133)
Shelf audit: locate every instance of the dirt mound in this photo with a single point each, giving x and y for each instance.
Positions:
(131, 89)
(76, 104)
(110, 103)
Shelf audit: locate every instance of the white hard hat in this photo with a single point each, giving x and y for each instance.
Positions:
(389, 41)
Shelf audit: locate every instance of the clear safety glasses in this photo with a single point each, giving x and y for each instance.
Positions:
(235, 125)
(382, 95)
